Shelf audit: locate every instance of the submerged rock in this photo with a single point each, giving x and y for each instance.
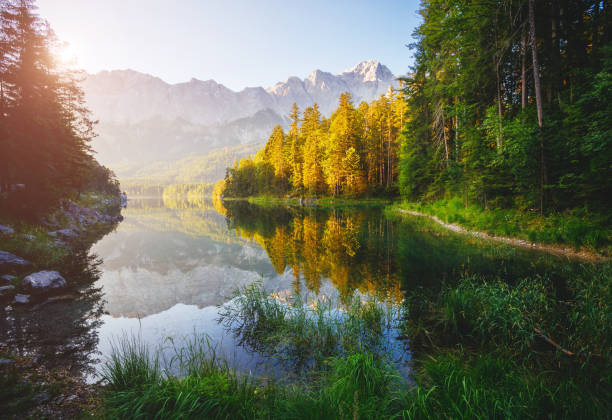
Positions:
(10, 261)
(7, 230)
(44, 281)
(23, 299)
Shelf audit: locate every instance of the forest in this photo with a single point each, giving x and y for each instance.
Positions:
(354, 152)
(45, 127)
(507, 106)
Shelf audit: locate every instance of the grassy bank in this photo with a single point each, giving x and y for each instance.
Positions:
(266, 200)
(481, 349)
(31, 240)
(578, 228)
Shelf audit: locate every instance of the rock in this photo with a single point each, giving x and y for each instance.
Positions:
(123, 197)
(10, 261)
(44, 281)
(5, 290)
(6, 362)
(23, 299)
(71, 398)
(6, 280)
(64, 233)
(41, 398)
(7, 230)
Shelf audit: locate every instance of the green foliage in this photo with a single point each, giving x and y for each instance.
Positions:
(303, 332)
(472, 129)
(501, 370)
(202, 168)
(578, 227)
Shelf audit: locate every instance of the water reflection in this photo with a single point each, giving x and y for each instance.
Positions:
(61, 332)
(172, 262)
(378, 254)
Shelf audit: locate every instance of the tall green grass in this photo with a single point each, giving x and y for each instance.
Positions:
(476, 357)
(578, 228)
(302, 332)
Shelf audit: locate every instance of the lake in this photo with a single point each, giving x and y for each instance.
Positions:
(165, 271)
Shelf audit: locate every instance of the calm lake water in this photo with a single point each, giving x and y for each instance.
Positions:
(163, 273)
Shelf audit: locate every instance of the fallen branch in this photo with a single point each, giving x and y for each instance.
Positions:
(550, 341)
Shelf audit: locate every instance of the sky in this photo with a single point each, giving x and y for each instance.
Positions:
(238, 43)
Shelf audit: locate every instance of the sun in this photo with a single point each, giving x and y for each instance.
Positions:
(66, 55)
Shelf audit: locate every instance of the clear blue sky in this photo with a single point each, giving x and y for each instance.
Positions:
(236, 42)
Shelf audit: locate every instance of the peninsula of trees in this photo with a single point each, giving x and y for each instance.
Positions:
(354, 152)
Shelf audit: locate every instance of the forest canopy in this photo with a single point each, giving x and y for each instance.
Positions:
(509, 104)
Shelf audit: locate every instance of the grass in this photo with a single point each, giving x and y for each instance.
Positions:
(303, 333)
(475, 357)
(32, 241)
(578, 228)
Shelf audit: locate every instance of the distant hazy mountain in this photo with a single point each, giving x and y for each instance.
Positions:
(144, 119)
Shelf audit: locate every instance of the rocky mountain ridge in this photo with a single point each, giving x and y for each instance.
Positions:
(138, 111)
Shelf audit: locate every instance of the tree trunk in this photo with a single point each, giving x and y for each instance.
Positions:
(524, 69)
(445, 138)
(536, 67)
(456, 157)
(500, 140)
(538, 93)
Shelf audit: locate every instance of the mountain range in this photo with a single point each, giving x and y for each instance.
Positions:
(143, 119)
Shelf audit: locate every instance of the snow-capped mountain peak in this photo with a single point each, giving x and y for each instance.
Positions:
(369, 71)
(123, 99)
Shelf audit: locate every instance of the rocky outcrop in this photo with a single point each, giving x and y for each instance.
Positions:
(81, 219)
(71, 227)
(43, 281)
(11, 262)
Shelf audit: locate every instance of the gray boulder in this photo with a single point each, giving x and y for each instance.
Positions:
(7, 230)
(44, 281)
(10, 261)
(23, 299)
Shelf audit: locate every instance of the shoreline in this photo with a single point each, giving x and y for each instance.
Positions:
(312, 202)
(550, 248)
(35, 389)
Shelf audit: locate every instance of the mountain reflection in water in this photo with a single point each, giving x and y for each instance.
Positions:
(172, 262)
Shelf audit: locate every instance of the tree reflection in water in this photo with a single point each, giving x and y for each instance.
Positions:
(62, 331)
